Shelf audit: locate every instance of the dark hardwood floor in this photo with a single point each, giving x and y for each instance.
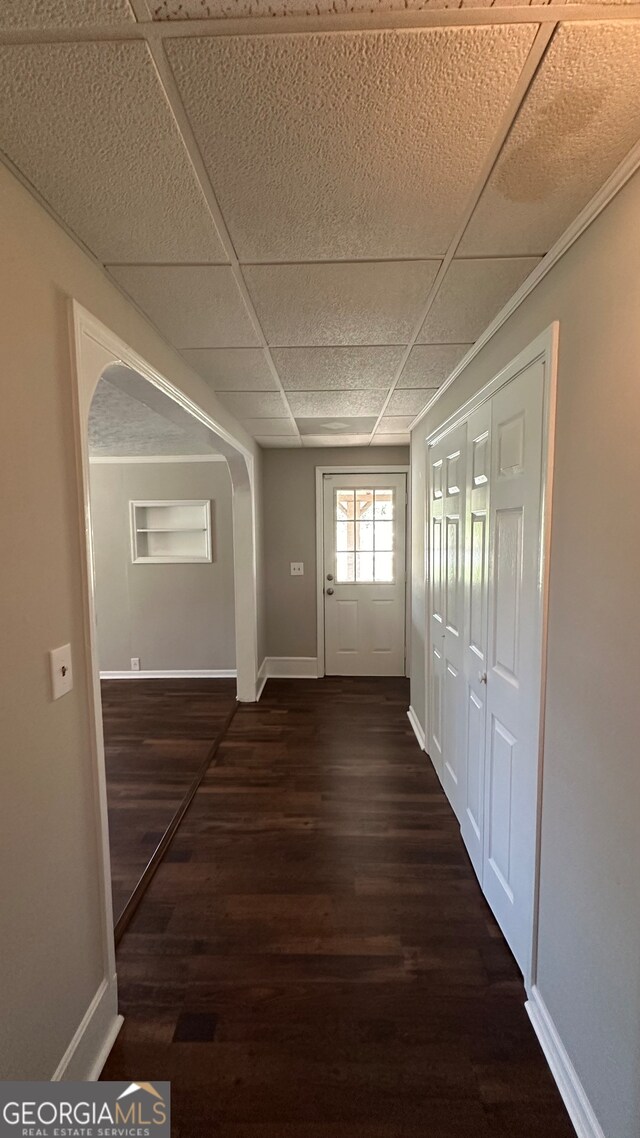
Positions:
(314, 958)
(157, 734)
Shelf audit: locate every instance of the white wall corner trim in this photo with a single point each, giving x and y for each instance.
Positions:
(579, 1108)
(185, 674)
(87, 1053)
(291, 667)
(418, 730)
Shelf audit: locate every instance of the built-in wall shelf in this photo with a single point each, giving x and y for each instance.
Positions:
(165, 532)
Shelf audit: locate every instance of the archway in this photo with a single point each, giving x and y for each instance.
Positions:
(99, 353)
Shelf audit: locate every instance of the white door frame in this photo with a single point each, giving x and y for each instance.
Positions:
(94, 349)
(545, 349)
(364, 469)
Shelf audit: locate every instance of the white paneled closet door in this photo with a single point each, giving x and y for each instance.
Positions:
(475, 631)
(486, 500)
(448, 481)
(514, 657)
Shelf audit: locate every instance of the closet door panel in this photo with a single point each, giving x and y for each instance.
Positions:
(475, 586)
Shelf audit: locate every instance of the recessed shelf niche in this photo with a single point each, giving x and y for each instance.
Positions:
(165, 532)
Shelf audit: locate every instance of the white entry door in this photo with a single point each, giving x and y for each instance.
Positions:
(364, 574)
(447, 462)
(514, 657)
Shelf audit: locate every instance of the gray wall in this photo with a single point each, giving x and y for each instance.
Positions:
(52, 960)
(589, 951)
(289, 500)
(171, 616)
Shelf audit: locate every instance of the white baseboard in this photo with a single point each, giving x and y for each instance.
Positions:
(87, 1053)
(290, 667)
(579, 1108)
(185, 674)
(417, 728)
(262, 679)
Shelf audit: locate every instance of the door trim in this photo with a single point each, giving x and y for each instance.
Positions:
(394, 468)
(545, 348)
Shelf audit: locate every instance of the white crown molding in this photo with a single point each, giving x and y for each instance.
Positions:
(111, 460)
(573, 1094)
(417, 728)
(174, 674)
(585, 218)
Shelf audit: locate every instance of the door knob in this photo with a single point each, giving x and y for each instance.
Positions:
(482, 676)
(330, 592)
(329, 576)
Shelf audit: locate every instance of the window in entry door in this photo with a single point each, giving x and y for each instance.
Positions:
(365, 535)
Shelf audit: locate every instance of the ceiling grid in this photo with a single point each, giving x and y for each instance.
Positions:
(322, 211)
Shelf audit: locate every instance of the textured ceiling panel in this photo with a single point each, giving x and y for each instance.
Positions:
(335, 440)
(378, 137)
(232, 369)
(121, 425)
(394, 424)
(198, 306)
(344, 425)
(217, 9)
(254, 404)
(56, 14)
(336, 369)
(260, 427)
(380, 439)
(430, 364)
(579, 120)
(336, 403)
(472, 293)
(372, 303)
(408, 402)
(89, 126)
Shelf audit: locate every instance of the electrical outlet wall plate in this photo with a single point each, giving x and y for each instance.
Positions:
(135, 663)
(297, 568)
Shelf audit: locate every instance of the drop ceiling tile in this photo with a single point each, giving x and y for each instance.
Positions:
(382, 440)
(408, 402)
(343, 159)
(274, 441)
(90, 127)
(578, 122)
(429, 365)
(254, 404)
(16, 14)
(335, 440)
(370, 303)
(344, 425)
(394, 424)
(232, 369)
(266, 427)
(472, 293)
(218, 9)
(195, 306)
(335, 404)
(336, 369)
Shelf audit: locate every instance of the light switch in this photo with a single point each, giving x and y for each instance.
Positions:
(61, 671)
(297, 568)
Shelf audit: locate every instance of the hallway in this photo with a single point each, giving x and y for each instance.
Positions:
(314, 958)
